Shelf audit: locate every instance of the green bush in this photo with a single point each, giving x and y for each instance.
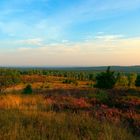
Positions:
(105, 80)
(138, 81)
(28, 89)
(101, 96)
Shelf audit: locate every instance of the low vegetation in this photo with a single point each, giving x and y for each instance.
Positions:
(65, 105)
(28, 89)
(38, 117)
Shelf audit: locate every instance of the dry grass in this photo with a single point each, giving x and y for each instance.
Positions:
(22, 102)
(32, 118)
(46, 82)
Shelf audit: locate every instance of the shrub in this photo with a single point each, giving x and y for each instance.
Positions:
(102, 96)
(105, 80)
(138, 81)
(28, 89)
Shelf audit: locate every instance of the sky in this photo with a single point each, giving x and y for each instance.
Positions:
(69, 32)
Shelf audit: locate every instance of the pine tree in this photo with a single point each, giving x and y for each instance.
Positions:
(105, 80)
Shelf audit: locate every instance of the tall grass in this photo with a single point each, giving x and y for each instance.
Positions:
(28, 118)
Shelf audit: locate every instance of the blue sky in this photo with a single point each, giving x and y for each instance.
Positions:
(69, 32)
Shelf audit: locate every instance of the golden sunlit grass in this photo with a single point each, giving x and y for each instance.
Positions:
(25, 117)
(22, 102)
(40, 83)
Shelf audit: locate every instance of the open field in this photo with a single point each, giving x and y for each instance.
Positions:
(65, 106)
(41, 117)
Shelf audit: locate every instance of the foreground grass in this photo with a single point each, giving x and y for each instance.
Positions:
(25, 125)
(28, 118)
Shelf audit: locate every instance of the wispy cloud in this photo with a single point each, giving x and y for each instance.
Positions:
(109, 37)
(92, 52)
(64, 32)
(34, 41)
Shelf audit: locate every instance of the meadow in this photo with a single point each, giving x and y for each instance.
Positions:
(66, 106)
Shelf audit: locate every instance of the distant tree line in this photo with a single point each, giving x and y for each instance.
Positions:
(107, 79)
(76, 75)
(8, 78)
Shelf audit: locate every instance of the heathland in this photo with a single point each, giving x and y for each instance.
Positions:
(69, 104)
